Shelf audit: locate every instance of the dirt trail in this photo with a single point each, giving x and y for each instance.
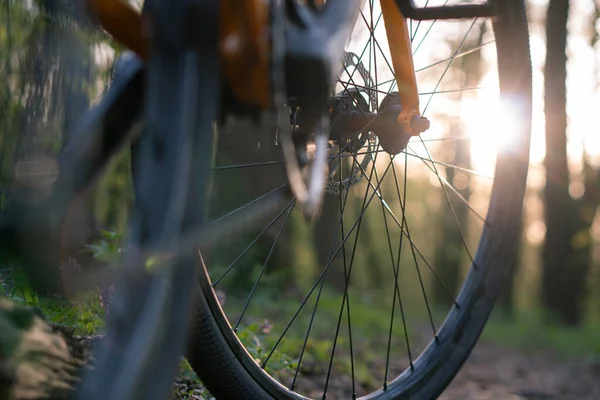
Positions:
(506, 374)
(496, 373)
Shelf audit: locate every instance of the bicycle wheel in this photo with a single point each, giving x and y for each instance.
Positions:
(317, 332)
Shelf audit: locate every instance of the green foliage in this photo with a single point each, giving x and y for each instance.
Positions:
(186, 371)
(84, 313)
(16, 287)
(255, 337)
(108, 248)
(188, 386)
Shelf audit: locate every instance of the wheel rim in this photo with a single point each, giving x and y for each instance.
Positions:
(396, 378)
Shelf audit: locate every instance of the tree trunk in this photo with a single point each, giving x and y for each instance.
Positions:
(42, 53)
(566, 250)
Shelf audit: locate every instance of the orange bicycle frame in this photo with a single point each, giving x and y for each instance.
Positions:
(122, 22)
(244, 47)
(398, 38)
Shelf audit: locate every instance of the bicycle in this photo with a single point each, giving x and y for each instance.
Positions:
(251, 57)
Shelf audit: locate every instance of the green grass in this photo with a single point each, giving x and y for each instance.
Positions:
(83, 313)
(528, 332)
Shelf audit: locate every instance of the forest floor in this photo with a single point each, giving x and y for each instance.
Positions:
(518, 361)
(495, 372)
(512, 361)
(500, 373)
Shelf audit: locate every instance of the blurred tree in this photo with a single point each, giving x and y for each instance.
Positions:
(594, 187)
(8, 107)
(48, 76)
(36, 75)
(566, 252)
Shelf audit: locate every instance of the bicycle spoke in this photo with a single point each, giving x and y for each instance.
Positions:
(395, 268)
(323, 273)
(376, 43)
(413, 248)
(264, 266)
(444, 183)
(347, 278)
(256, 200)
(361, 153)
(451, 91)
(371, 28)
(448, 65)
(387, 62)
(413, 251)
(397, 292)
(376, 105)
(435, 274)
(243, 253)
(366, 46)
(427, 32)
(414, 34)
(249, 165)
(347, 272)
(453, 57)
(458, 168)
(373, 57)
(460, 229)
(407, 234)
(337, 230)
(363, 87)
(443, 139)
(460, 55)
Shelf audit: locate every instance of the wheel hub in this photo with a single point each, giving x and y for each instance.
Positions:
(350, 117)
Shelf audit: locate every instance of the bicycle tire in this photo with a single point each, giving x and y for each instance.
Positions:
(229, 372)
